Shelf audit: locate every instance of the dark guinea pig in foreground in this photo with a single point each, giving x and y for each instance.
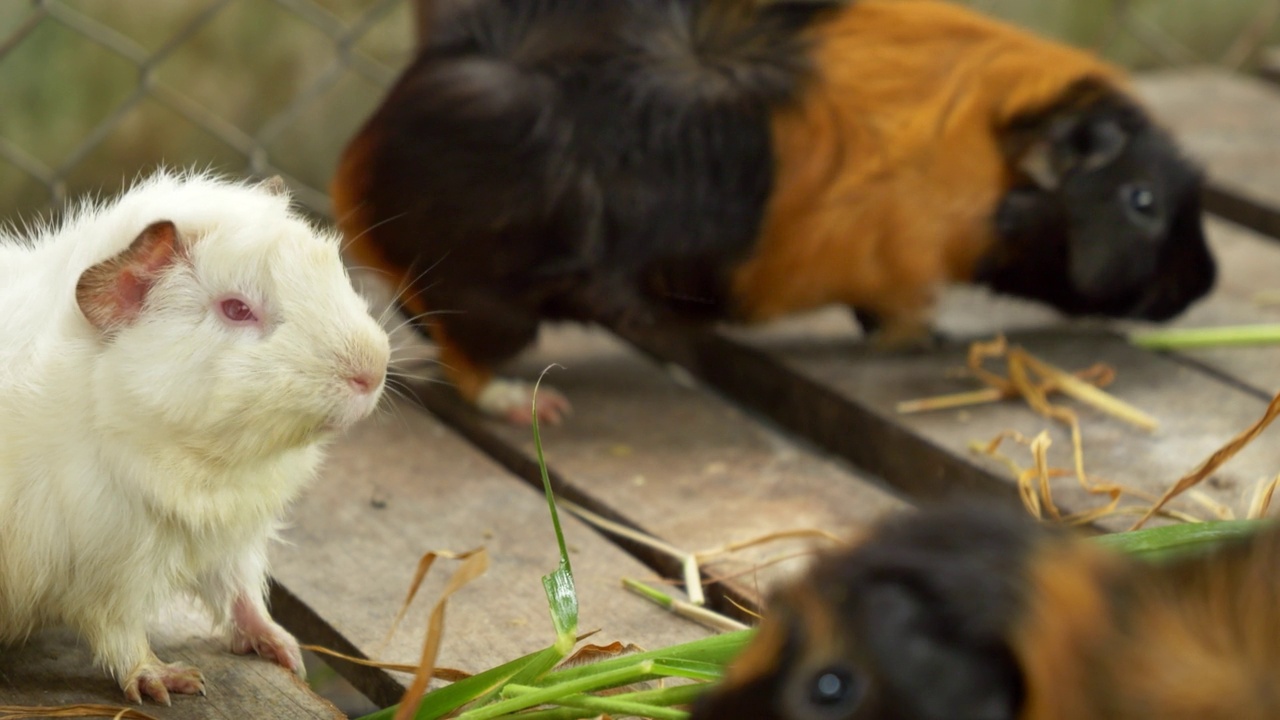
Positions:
(964, 614)
(742, 160)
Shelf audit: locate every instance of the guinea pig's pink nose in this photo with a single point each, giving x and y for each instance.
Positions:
(365, 382)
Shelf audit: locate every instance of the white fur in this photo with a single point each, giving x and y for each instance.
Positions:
(159, 459)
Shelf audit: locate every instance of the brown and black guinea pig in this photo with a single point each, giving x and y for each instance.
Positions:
(738, 160)
(970, 614)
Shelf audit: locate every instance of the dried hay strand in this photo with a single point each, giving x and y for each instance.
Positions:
(474, 564)
(691, 562)
(683, 608)
(1034, 380)
(1217, 460)
(447, 674)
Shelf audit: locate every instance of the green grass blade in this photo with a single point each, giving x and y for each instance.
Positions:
(438, 703)
(661, 697)
(691, 669)
(664, 697)
(716, 650)
(562, 596)
(1191, 338)
(1172, 540)
(541, 695)
(534, 671)
(612, 705)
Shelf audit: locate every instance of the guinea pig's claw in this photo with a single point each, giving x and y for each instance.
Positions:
(156, 680)
(274, 643)
(254, 631)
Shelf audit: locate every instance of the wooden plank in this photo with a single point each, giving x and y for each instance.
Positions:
(56, 668)
(1228, 122)
(648, 445)
(646, 449)
(871, 441)
(1197, 412)
(401, 485)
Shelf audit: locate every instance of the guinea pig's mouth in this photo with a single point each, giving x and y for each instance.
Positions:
(339, 424)
(1173, 293)
(349, 413)
(1156, 306)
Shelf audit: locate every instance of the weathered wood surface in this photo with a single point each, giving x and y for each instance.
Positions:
(56, 668)
(688, 466)
(1175, 394)
(402, 485)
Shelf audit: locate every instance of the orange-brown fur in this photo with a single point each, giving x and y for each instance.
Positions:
(1066, 623)
(888, 170)
(822, 628)
(1200, 640)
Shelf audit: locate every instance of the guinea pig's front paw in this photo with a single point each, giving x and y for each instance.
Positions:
(270, 642)
(512, 400)
(156, 680)
(253, 631)
(906, 338)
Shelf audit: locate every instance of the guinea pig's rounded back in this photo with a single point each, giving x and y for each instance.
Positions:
(252, 340)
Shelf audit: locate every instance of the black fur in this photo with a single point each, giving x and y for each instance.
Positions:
(1081, 245)
(924, 608)
(605, 148)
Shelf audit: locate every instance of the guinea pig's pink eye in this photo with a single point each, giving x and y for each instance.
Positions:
(237, 311)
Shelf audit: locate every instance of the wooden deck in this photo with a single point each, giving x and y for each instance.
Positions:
(710, 438)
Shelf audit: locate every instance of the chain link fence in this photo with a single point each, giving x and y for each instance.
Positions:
(94, 92)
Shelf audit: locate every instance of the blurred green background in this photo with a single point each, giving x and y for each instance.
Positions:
(93, 92)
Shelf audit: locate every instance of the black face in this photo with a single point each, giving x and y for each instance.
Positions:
(1113, 228)
(908, 626)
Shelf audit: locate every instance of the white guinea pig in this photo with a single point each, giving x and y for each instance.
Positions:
(171, 365)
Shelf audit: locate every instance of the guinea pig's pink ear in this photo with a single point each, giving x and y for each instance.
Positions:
(275, 185)
(111, 293)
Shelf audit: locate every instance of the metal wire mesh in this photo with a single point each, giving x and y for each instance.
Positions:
(92, 92)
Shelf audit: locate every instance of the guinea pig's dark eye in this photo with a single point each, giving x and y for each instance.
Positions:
(833, 692)
(832, 687)
(237, 311)
(1139, 198)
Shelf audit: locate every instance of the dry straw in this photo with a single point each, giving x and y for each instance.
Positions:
(1033, 380)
